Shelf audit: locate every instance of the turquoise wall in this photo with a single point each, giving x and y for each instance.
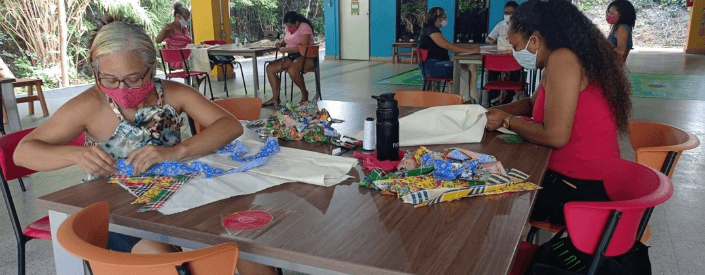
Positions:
(383, 19)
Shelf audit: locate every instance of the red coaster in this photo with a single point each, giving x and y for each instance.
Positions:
(246, 220)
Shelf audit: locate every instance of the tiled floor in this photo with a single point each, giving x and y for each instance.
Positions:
(676, 245)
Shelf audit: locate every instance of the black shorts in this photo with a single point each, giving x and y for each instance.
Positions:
(555, 193)
(120, 242)
(294, 56)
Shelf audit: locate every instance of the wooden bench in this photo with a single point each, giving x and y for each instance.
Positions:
(396, 54)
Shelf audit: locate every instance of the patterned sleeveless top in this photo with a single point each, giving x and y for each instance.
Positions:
(155, 125)
(178, 40)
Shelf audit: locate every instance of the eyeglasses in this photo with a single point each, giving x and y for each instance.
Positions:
(130, 82)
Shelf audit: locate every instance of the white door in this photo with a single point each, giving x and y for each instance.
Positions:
(355, 29)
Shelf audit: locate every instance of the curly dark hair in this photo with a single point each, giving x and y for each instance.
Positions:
(433, 15)
(627, 14)
(562, 25)
(292, 17)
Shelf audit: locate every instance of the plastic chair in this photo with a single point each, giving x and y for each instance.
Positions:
(427, 81)
(426, 98)
(659, 146)
(232, 64)
(501, 63)
(610, 228)
(309, 52)
(245, 108)
(39, 229)
(180, 56)
(85, 235)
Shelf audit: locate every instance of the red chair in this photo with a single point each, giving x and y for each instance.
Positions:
(610, 228)
(10, 171)
(232, 64)
(501, 63)
(180, 56)
(427, 81)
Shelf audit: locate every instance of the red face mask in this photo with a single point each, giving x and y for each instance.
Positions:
(292, 29)
(612, 19)
(130, 97)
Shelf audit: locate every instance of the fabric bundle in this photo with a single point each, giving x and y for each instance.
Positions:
(304, 121)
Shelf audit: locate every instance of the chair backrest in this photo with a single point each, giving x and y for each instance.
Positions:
(175, 55)
(309, 51)
(245, 108)
(214, 42)
(632, 188)
(426, 98)
(423, 54)
(501, 63)
(8, 144)
(85, 234)
(652, 143)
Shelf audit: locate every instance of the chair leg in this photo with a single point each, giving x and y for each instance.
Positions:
(225, 79)
(42, 100)
(30, 93)
(210, 86)
(242, 74)
(318, 85)
(22, 185)
(21, 258)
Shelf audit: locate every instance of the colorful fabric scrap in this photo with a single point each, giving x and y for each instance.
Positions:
(423, 199)
(235, 150)
(304, 121)
(154, 191)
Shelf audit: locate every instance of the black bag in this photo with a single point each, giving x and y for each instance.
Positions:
(560, 257)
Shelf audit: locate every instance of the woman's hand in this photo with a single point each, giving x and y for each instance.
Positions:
(495, 119)
(94, 160)
(143, 158)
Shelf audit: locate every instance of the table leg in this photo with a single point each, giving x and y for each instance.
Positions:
(473, 81)
(65, 262)
(255, 74)
(13, 115)
(456, 77)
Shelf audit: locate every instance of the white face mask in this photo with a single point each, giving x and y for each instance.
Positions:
(506, 17)
(184, 23)
(444, 23)
(525, 58)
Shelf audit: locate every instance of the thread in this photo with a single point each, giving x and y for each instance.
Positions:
(368, 140)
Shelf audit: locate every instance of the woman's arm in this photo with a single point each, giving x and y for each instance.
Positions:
(442, 42)
(45, 148)
(562, 84)
(221, 128)
(167, 31)
(622, 36)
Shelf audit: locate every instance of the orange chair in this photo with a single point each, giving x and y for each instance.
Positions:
(426, 98)
(659, 146)
(85, 235)
(245, 108)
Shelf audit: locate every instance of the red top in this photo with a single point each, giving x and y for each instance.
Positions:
(178, 40)
(594, 134)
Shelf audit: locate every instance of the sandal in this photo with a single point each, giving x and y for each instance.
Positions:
(271, 103)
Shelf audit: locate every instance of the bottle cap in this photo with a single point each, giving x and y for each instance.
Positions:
(386, 101)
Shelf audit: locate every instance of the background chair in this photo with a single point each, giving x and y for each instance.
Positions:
(309, 53)
(39, 229)
(85, 234)
(427, 81)
(222, 65)
(426, 98)
(610, 228)
(180, 56)
(501, 63)
(245, 108)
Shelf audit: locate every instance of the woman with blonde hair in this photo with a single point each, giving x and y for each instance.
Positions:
(128, 114)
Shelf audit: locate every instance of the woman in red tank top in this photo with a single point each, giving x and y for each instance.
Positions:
(176, 34)
(581, 106)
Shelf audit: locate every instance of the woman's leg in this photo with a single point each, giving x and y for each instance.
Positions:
(145, 246)
(558, 189)
(298, 79)
(272, 70)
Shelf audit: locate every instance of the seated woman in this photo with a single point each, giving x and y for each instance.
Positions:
(298, 34)
(622, 17)
(581, 105)
(128, 114)
(438, 62)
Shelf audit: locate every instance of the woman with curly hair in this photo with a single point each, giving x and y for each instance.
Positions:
(582, 104)
(622, 16)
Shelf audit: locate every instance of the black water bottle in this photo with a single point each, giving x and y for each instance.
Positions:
(387, 127)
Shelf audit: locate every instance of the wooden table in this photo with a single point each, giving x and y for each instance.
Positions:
(7, 91)
(339, 229)
(474, 61)
(247, 51)
(396, 53)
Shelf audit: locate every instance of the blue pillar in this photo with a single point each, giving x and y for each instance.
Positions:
(332, 25)
(383, 29)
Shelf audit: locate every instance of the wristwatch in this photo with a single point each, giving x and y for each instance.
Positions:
(505, 124)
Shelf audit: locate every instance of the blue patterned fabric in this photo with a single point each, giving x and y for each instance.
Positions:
(458, 166)
(235, 151)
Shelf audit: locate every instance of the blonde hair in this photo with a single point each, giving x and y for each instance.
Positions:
(120, 34)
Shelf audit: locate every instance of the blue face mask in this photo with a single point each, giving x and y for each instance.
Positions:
(525, 58)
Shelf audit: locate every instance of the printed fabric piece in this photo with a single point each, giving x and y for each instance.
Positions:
(153, 191)
(235, 151)
(423, 199)
(304, 121)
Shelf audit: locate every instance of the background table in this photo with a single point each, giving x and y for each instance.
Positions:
(474, 61)
(247, 51)
(10, 101)
(344, 228)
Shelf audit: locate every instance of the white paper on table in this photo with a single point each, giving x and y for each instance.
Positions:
(289, 165)
(199, 60)
(506, 131)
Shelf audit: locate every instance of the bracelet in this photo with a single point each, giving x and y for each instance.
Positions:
(505, 124)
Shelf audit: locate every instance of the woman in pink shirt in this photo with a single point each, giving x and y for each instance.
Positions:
(298, 33)
(582, 104)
